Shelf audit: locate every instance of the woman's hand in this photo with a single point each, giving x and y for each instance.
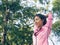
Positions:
(48, 14)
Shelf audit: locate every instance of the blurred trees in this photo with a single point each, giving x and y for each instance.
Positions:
(56, 28)
(15, 23)
(56, 7)
(56, 10)
(44, 6)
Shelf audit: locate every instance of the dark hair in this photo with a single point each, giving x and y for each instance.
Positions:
(42, 17)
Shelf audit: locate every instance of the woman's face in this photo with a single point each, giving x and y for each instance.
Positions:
(37, 21)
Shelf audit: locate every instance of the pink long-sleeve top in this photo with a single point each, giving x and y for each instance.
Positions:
(42, 35)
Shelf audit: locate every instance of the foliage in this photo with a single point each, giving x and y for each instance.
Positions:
(56, 28)
(56, 7)
(15, 20)
(14, 24)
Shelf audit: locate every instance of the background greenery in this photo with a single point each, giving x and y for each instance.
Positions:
(15, 21)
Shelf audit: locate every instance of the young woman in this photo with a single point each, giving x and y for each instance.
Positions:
(42, 28)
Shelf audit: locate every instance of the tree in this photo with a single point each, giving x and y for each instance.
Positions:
(56, 28)
(56, 10)
(13, 23)
(56, 7)
(45, 6)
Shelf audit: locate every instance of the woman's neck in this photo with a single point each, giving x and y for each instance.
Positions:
(39, 27)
